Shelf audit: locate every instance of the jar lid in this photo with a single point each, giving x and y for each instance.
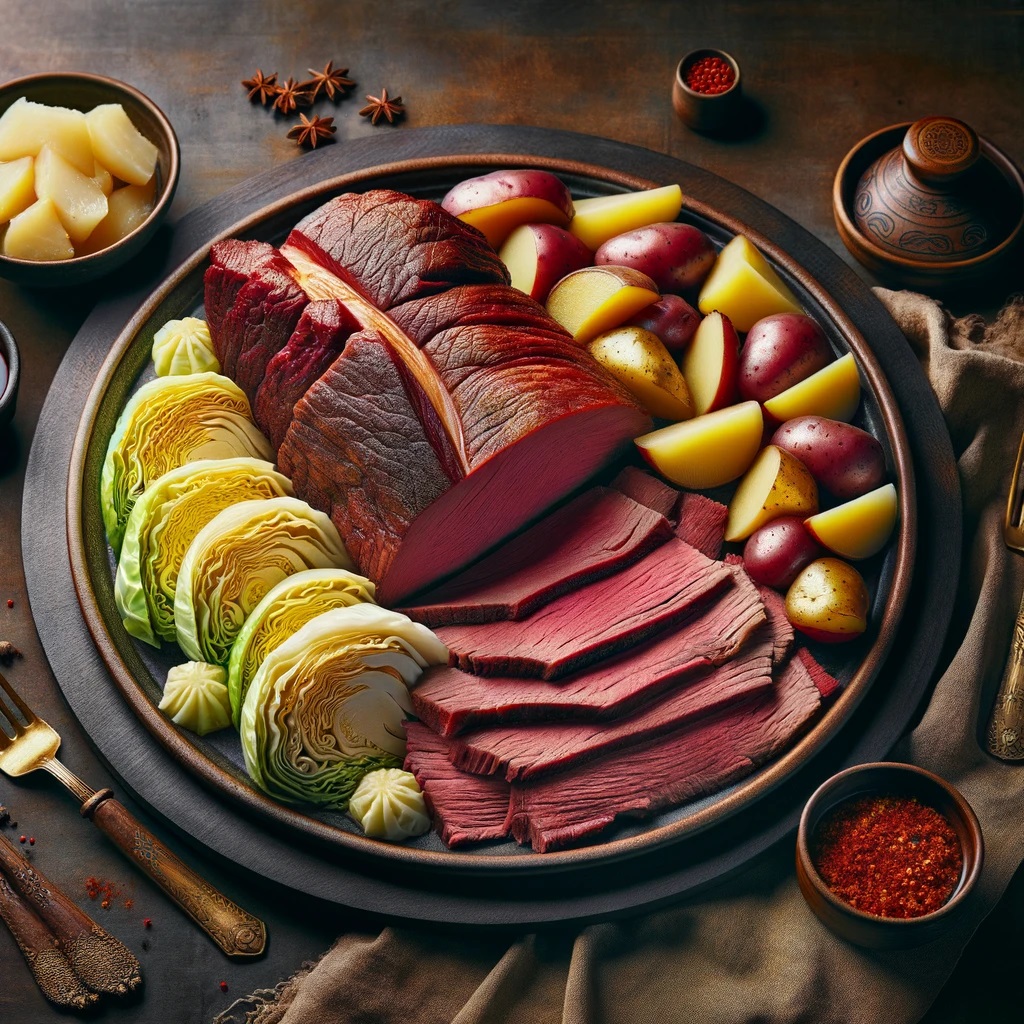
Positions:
(933, 198)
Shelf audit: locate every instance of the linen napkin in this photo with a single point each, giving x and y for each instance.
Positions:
(751, 949)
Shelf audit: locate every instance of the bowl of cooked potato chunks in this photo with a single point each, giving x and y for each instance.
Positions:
(88, 169)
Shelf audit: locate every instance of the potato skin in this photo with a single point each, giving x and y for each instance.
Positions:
(845, 460)
(672, 319)
(829, 601)
(677, 257)
(779, 351)
(775, 553)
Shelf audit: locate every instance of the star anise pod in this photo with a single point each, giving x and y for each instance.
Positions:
(262, 87)
(312, 130)
(380, 106)
(291, 94)
(331, 81)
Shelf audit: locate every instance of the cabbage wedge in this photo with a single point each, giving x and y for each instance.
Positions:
(165, 520)
(184, 346)
(328, 705)
(285, 609)
(170, 421)
(236, 558)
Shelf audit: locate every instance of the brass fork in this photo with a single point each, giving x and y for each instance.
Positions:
(1005, 738)
(27, 743)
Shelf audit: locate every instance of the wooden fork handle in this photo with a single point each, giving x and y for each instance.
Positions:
(235, 931)
(1006, 727)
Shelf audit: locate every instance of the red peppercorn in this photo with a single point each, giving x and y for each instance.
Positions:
(710, 75)
(31, 840)
(10, 602)
(147, 922)
(223, 986)
(22, 839)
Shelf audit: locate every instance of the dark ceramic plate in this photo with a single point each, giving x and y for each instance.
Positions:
(634, 865)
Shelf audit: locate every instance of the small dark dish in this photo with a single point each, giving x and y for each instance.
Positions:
(707, 112)
(896, 780)
(930, 205)
(12, 373)
(83, 92)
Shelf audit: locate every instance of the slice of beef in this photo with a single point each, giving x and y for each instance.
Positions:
(694, 760)
(466, 808)
(527, 751)
(451, 700)
(775, 606)
(591, 623)
(318, 339)
(590, 537)
(826, 683)
(252, 306)
(648, 490)
(702, 522)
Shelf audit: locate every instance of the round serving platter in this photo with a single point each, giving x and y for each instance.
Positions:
(199, 787)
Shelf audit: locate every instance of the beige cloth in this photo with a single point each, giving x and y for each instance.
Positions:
(751, 950)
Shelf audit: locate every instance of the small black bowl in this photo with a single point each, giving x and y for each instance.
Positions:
(9, 390)
(887, 779)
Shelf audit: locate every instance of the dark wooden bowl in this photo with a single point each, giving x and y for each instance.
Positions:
(9, 392)
(890, 779)
(1004, 188)
(706, 112)
(82, 91)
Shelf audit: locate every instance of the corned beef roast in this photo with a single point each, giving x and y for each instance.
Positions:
(455, 409)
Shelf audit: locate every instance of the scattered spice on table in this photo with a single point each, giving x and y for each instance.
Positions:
(8, 652)
(147, 922)
(223, 986)
(103, 890)
(383, 106)
(291, 94)
(312, 130)
(710, 75)
(22, 840)
(10, 602)
(331, 82)
(262, 88)
(890, 856)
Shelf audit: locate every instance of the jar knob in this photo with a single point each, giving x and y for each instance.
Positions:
(939, 149)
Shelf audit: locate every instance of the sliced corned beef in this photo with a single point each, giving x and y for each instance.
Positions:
(775, 606)
(527, 751)
(702, 522)
(697, 759)
(466, 808)
(263, 312)
(826, 683)
(591, 623)
(590, 537)
(648, 490)
(319, 336)
(451, 700)
(517, 414)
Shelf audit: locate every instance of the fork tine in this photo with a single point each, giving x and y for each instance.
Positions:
(18, 703)
(1014, 510)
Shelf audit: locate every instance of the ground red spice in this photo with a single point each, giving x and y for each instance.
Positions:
(888, 856)
(101, 889)
(710, 75)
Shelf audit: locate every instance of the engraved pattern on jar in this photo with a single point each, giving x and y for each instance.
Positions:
(944, 142)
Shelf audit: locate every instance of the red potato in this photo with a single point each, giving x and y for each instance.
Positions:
(677, 257)
(539, 255)
(845, 460)
(829, 601)
(672, 319)
(776, 553)
(780, 351)
(711, 363)
(497, 202)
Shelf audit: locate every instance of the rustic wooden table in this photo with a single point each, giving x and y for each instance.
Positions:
(820, 77)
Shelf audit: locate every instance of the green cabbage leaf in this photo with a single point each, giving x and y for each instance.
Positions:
(284, 609)
(164, 521)
(170, 421)
(237, 557)
(184, 346)
(328, 705)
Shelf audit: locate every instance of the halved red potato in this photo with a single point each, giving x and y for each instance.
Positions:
(829, 601)
(593, 300)
(777, 484)
(833, 391)
(672, 319)
(775, 553)
(858, 528)
(596, 220)
(706, 451)
(499, 201)
(540, 255)
(711, 363)
(779, 351)
(677, 257)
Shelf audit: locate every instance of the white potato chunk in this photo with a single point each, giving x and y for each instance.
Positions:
(119, 146)
(78, 200)
(128, 207)
(103, 178)
(37, 234)
(26, 127)
(16, 187)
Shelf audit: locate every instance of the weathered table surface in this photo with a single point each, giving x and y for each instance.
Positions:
(820, 77)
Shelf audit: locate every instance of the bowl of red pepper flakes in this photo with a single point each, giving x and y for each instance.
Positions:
(887, 854)
(707, 91)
